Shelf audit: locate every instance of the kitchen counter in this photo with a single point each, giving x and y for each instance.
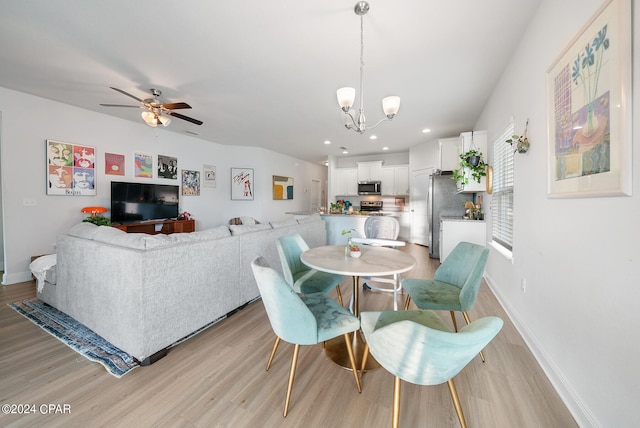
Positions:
(457, 218)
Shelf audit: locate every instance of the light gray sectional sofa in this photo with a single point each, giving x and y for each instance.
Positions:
(144, 292)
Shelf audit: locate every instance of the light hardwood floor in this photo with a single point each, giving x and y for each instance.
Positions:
(217, 379)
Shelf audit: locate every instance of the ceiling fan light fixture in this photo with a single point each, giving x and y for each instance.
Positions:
(165, 120)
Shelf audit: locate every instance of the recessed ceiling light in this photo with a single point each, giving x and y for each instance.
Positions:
(344, 152)
(373, 137)
(385, 148)
(327, 142)
(426, 130)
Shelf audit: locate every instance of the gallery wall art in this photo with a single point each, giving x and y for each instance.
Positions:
(282, 187)
(113, 164)
(143, 165)
(242, 184)
(589, 109)
(190, 182)
(70, 169)
(167, 167)
(208, 176)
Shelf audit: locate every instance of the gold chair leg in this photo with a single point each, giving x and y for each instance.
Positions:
(273, 353)
(456, 403)
(396, 403)
(292, 375)
(468, 320)
(365, 356)
(406, 302)
(455, 324)
(339, 295)
(352, 360)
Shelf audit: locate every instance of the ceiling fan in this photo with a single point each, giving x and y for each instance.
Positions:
(155, 112)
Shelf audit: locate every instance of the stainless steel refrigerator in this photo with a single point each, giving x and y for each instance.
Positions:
(443, 200)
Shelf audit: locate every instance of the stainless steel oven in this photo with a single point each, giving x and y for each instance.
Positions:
(369, 188)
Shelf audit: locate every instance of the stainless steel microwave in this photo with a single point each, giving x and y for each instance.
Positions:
(369, 188)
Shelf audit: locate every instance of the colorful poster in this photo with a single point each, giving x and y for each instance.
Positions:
(113, 164)
(190, 183)
(143, 165)
(70, 169)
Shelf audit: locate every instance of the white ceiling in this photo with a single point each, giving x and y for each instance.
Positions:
(261, 73)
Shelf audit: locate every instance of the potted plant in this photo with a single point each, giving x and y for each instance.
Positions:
(471, 161)
(352, 249)
(98, 220)
(521, 141)
(335, 208)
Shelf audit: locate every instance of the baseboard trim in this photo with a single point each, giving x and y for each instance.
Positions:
(14, 278)
(568, 395)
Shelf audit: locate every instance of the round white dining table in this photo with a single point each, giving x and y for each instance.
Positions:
(374, 261)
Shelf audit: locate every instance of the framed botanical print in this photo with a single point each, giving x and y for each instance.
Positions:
(589, 109)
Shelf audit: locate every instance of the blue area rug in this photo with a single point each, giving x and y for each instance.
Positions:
(77, 336)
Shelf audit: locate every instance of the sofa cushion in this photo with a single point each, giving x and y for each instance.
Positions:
(138, 241)
(205, 235)
(84, 230)
(243, 220)
(284, 223)
(239, 229)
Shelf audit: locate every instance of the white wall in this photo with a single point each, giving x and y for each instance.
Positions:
(580, 257)
(29, 121)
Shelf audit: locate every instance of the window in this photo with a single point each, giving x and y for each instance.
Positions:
(502, 200)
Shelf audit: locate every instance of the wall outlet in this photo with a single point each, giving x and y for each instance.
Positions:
(523, 285)
(29, 202)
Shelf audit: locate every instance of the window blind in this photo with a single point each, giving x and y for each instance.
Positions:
(502, 197)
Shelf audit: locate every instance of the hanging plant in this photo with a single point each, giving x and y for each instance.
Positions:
(471, 161)
(521, 141)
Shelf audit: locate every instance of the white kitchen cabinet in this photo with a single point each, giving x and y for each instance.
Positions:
(346, 182)
(370, 171)
(479, 140)
(395, 180)
(455, 230)
(448, 150)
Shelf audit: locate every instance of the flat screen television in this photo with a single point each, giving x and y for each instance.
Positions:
(131, 202)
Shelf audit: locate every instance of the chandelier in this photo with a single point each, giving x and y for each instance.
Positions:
(346, 96)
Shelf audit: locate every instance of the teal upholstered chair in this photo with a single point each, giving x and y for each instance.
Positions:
(455, 285)
(302, 319)
(418, 347)
(299, 276)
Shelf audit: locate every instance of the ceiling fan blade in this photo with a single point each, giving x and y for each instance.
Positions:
(176, 106)
(118, 105)
(183, 117)
(126, 93)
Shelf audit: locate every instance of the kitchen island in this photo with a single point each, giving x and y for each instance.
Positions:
(456, 229)
(336, 223)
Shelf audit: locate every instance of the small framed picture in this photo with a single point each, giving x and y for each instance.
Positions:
(242, 184)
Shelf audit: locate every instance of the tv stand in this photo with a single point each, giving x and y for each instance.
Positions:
(167, 226)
